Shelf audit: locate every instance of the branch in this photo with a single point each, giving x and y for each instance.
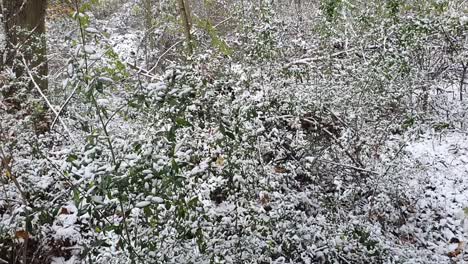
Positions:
(141, 71)
(337, 141)
(349, 166)
(307, 61)
(63, 106)
(45, 98)
(180, 41)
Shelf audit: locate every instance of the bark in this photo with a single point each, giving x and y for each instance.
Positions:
(24, 25)
(298, 5)
(150, 38)
(462, 80)
(185, 14)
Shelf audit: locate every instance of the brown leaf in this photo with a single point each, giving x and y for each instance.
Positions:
(279, 169)
(22, 234)
(6, 165)
(6, 161)
(220, 161)
(457, 251)
(454, 253)
(64, 210)
(264, 198)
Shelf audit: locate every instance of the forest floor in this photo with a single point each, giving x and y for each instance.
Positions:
(436, 169)
(442, 186)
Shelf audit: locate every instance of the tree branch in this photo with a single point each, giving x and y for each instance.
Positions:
(45, 98)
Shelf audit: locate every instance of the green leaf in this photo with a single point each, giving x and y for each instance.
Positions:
(137, 147)
(72, 157)
(148, 212)
(230, 135)
(182, 122)
(193, 202)
(226, 132)
(175, 166)
(222, 129)
(99, 86)
(216, 41)
(76, 198)
(171, 134)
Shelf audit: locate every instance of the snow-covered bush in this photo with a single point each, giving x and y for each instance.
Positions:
(274, 142)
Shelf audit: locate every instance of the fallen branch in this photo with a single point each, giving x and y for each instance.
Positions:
(307, 61)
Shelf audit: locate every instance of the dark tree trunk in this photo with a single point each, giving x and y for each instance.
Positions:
(24, 28)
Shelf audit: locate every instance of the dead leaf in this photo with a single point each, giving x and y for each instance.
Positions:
(457, 251)
(264, 198)
(64, 210)
(6, 161)
(220, 161)
(6, 164)
(279, 169)
(22, 234)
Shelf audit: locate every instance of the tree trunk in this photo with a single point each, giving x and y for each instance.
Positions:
(298, 6)
(462, 80)
(185, 14)
(24, 27)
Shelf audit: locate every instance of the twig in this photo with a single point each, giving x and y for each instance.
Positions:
(337, 141)
(180, 41)
(7, 164)
(320, 248)
(307, 61)
(164, 53)
(262, 165)
(141, 70)
(63, 106)
(336, 116)
(104, 128)
(343, 259)
(8, 200)
(113, 114)
(82, 34)
(45, 98)
(349, 166)
(394, 157)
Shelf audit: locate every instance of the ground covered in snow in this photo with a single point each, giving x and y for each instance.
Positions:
(439, 223)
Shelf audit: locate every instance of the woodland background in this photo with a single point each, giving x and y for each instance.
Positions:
(233, 131)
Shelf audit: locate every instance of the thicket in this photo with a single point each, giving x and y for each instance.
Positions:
(279, 139)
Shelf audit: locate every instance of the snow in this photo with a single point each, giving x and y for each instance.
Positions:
(61, 260)
(2, 35)
(88, 49)
(91, 30)
(157, 200)
(444, 185)
(142, 204)
(258, 189)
